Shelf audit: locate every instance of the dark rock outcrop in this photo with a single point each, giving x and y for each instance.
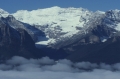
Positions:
(16, 43)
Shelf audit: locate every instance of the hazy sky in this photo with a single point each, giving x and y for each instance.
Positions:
(14, 5)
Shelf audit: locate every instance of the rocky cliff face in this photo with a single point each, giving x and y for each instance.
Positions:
(15, 42)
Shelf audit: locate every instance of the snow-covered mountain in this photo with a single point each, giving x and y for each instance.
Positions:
(3, 13)
(56, 22)
(54, 16)
(73, 33)
(62, 24)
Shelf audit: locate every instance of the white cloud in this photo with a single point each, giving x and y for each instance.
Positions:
(46, 60)
(86, 65)
(59, 68)
(17, 60)
(46, 68)
(105, 66)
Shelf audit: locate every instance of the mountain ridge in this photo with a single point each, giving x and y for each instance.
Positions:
(58, 23)
(75, 34)
(58, 16)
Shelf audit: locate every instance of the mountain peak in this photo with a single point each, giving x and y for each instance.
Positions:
(3, 13)
(55, 7)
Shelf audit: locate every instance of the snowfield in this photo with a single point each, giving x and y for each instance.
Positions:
(58, 23)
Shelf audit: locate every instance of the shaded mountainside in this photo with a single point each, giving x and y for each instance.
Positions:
(16, 42)
(107, 52)
(93, 48)
(32, 30)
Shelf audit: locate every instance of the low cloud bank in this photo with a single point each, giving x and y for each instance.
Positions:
(46, 68)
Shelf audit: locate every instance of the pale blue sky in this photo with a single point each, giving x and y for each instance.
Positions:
(93, 5)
